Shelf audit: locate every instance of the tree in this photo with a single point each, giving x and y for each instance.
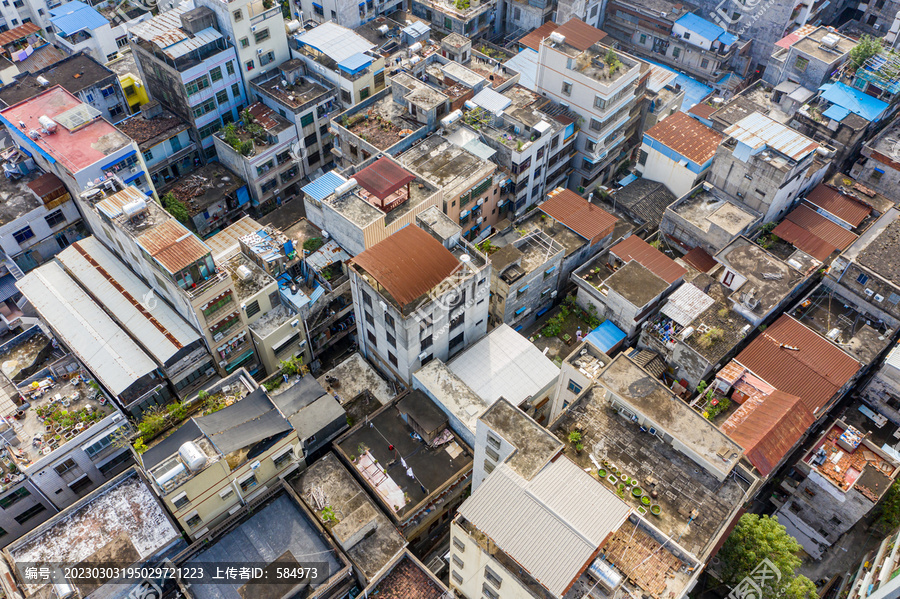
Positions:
(174, 207)
(889, 510)
(867, 47)
(761, 537)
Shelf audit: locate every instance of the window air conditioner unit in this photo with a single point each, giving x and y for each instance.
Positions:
(423, 355)
(869, 292)
(479, 202)
(259, 51)
(295, 322)
(553, 294)
(879, 298)
(253, 28)
(223, 363)
(302, 344)
(383, 305)
(479, 220)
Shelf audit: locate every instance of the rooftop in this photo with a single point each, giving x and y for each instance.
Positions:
(452, 392)
(812, 45)
(246, 284)
(760, 132)
(334, 41)
(845, 207)
(535, 37)
(354, 376)
(644, 200)
(76, 148)
(18, 199)
(382, 124)
(527, 253)
(705, 207)
(768, 279)
(846, 459)
(756, 98)
(76, 16)
(407, 578)
(446, 165)
(74, 73)
(327, 482)
(813, 233)
(635, 248)
(687, 136)
(165, 36)
(41, 58)
(584, 218)
(293, 95)
(535, 445)
(150, 131)
(636, 283)
(880, 255)
(721, 317)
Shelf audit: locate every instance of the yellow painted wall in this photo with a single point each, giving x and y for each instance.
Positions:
(139, 96)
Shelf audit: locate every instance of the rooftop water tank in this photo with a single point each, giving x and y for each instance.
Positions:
(193, 456)
(47, 123)
(134, 208)
(164, 478)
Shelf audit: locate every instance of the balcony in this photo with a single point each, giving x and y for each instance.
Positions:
(208, 284)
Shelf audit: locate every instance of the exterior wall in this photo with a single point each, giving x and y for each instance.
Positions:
(812, 76)
(473, 23)
(265, 346)
(518, 304)
(467, 567)
(107, 97)
(885, 182)
(12, 527)
(44, 241)
(665, 166)
(179, 148)
(570, 385)
(344, 12)
(351, 90)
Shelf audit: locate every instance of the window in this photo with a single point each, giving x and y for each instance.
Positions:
(23, 235)
(392, 359)
(65, 466)
(249, 65)
(100, 444)
(458, 562)
(590, 146)
(252, 308)
(116, 110)
(676, 52)
(222, 97)
(459, 544)
(195, 86)
(862, 279)
(235, 90)
(596, 125)
(248, 483)
(367, 299)
(492, 454)
(491, 577)
(129, 90)
(371, 337)
(12, 498)
(194, 521)
(427, 341)
(229, 67)
(389, 321)
(225, 494)
(205, 108)
(801, 63)
(363, 94)
(245, 42)
(180, 501)
(457, 321)
(574, 387)
(456, 577)
(107, 91)
(261, 36)
(392, 341)
(566, 88)
(877, 174)
(209, 129)
(310, 140)
(704, 63)
(55, 218)
(493, 441)
(370, 319)
(238, 15)
(281, 460)
(216, 74)
(488, 592)
(266, 58)
(642, 158)
(30, 513)
(643, 39)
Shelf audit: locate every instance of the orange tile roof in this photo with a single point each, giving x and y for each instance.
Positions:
(635, 248)
(811, 232)
(702, 110)
(576, 213)
(687, 136)
(533, 40)
(580, 35)
(17, 33)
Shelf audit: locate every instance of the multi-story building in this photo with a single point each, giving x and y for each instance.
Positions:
(474, 19)
(213, 196)
(882, 392)
(809, 59)
(418, 297)
(347, 13)
(198, 77)
(878, 167)
(604, 88)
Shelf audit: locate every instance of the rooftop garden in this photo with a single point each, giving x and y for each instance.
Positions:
(243, 136)
(374, 128)
(560, 329)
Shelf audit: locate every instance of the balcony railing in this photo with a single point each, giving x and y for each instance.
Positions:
(195, 292)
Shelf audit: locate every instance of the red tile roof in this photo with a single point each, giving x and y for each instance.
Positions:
(383, 177)
(813, 233)
(794, 359)
(533, 40)
(635, 248)
(700, 259)
(846, 208)
(687, 136)
(768, 428)
(702, 110)
(408, 264)
(576, 213)
(17, 33)
(580, 35)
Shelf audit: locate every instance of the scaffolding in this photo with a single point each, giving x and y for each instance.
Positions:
(882, 70)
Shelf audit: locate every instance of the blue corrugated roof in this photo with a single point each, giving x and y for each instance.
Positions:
(606, 336)
(727, 38)
(76, 16)
(324, 186)
(7, 287)
(628, 179)
(355, 62)
(835, 112)
(853, 100)
(706, 29)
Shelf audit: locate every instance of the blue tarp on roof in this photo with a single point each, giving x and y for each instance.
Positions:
(628, 179)
(853, 100)
(727, 38)
(700, 26)
(837, 113)
(355, 62)
(7, 287)
(694, 91)
(525, 62)
(76, 16)
(606, 336)
(324, 186)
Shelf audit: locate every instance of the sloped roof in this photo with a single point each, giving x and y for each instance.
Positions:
(757, 130)
(383, 177)
(768, 427)
(635, 248)
(700, 259)
(243, 423)
(854, 100)
(577, 214)
(408, 264)
(811, 232)
(686, 303)
(580, 35)
(687, 136)
(76, 16)
(533, 40)
(334, 41)
(17, 33)
(172, 245)
(795, 360)
(846, 208)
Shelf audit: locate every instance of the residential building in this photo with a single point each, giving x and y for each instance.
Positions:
(377, 201)
(165, 140)
(419, 504)
(524, 278)
(640, 201)
(370, 539)
(678, 37)
(84, 148)
(258, 148)
(307, 102)
(347, 14)
(417, 298)
(78, 27)
(178, 266)
(878, 168)
(316, 415)
(96, 85)
(129, 78)
(135, 527)
(605, 89)
(212, 464)
(627, 283)
(814, 233)
(834, 486)
(474, 21)
(213, 195)
(766, 165)
(343, 58)
(666, 96)
(39, 217)
(678, 151)
(406, 576)
(873, 578)
(882, 392)
(877, 77)
(521, 17)
(199, 78)
(808, 58)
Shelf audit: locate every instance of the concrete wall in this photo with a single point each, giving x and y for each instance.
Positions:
(659, 166)
(36, 220)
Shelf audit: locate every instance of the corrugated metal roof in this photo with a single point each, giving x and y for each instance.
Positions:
(660, 78)
(826, 236)
(8, 287)
(85, 328)
(334, 41)
(700, 26)
(325, 256)
(893, 357)
(525, 63)
(45, 184)
(700, 259)
(580, 35)
(483, 151)
(493, 102)
(794, 359)
(635, 248)
(162, 331)
(355, 62)
(768, 427)
(757, 130)
(188, 45)
(576, 213)
(76, 16)
(408, 264)
(163, 29)
(533, 40)
(687, 136)
(792, 38)
(803, 240)
(324, 186)
(17, 33)
(383, 177)
(836, 113)
(552, 525)
(853, 100)
(606, 337)
(686, 303)
(417, 29)
(173, 246)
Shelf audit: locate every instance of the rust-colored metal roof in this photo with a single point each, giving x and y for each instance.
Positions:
(576, 213)
(45, 184)
(172, 245)
(687, 136)
(768, 428)
(17, 33)
(262, 114)
(794, 359)
(580, 35)
(813, 233)
(533, 39)
(383, 177)
(408, 264)
(700, 259)
(702, 110)
(846, 208)
(635, 248)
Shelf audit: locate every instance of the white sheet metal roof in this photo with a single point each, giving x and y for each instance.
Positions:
(504, 364)
(334, 41)
(686, 303)
(161, 330)
(110, 354)
(757, 130)
(163, 30)
(893, 358)
(491, 101)
(199, 40)
(551, 525)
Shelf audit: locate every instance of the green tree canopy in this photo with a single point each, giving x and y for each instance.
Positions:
(174, 207)
(867, 47)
